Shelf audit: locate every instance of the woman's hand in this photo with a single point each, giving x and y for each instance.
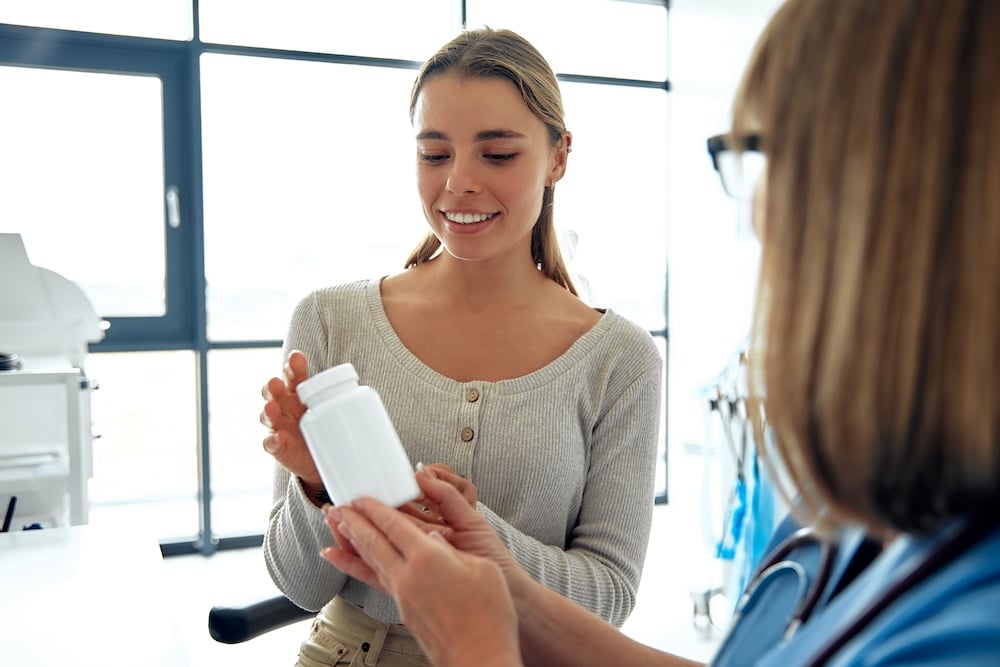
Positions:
(425, 508)
(457, 521)
(281, 414)
(457, 604)
(445, 472)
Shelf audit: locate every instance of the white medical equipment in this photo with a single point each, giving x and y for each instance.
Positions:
(46, 324)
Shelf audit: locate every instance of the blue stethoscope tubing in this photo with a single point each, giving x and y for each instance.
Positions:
(777, 564)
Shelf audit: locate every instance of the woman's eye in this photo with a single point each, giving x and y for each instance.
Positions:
(500, 157)
(433, 158)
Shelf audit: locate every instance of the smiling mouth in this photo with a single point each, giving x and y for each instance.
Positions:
(468, 218)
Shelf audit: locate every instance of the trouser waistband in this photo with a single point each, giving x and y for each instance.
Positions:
(350, 619)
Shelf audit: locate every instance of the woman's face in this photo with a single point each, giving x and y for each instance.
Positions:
(483, 161)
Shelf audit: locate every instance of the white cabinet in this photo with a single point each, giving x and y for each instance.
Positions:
(46, 442)
(46, 458)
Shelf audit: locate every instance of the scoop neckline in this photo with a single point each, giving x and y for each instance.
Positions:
(547, 373)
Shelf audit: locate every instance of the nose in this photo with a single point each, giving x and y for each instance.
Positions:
(462, 179)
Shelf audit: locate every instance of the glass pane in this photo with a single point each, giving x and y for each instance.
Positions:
(81, 162)
(241, 470)
(711, 47)
(614, 197)
(309, 181)
(661, 449)
(401, 29)
(713, 269)
(711, 247)
(166, 19)
(145, 456)
(595, 37)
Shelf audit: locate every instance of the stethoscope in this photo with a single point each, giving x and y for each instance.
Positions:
(778, 564)
(957, 539)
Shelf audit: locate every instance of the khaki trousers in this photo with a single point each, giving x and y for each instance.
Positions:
(342, 634)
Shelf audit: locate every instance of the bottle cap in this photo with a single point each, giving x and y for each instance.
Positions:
(324, 380)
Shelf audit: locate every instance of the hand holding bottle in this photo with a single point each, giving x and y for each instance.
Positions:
(281, 414)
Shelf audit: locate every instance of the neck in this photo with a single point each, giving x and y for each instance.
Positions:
(484, 282)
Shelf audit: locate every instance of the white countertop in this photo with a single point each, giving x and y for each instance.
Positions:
(85, 596)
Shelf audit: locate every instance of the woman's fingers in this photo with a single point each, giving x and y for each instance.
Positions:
(344, 556)
(445, 473)
(272, 443)
(350, 563)
(296, 368)
(281, 415)
(446, 498)
(380, 535)
(421, 513)
(333, 520)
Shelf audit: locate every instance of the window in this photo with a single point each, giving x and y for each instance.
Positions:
(212, 150)
(165, 19)
(84, 154)
(347, 28)
(713, 257)
(297, 157)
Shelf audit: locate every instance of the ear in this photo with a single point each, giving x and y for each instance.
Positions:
(559, 158)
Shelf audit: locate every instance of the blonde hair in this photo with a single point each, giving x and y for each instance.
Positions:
(489, 53)
(875, 349)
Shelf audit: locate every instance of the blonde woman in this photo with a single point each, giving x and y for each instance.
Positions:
(875, 359)
(542, 408)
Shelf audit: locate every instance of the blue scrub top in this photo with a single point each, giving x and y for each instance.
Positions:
(952, 617)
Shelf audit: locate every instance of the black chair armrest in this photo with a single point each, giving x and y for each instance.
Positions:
(232, 625)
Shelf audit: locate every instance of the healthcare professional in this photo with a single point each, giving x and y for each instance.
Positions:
(874, 359)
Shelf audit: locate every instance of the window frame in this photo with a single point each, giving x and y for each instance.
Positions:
(172, 64)
(184, 324)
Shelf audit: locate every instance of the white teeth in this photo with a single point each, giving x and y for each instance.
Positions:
(467, 218)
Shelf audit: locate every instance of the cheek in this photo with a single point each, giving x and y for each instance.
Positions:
(427, 186)
(525, 188)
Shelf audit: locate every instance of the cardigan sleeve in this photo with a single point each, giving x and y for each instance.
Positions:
(296, 531)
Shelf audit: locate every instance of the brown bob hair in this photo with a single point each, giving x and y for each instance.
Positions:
(875, 351)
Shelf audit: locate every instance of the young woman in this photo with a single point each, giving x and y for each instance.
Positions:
(541, 408)
(875, 357)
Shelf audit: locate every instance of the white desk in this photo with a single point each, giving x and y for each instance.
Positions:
(85, 596)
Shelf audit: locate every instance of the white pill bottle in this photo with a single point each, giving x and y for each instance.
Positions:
(352, 440)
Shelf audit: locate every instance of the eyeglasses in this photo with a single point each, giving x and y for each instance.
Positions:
(740, 166)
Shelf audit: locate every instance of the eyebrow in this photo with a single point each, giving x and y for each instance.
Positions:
(485, 135)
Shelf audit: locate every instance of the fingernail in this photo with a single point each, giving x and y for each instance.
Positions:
(332, 512)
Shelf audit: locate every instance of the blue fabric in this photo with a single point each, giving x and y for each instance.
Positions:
(752, 524)
(950, 618)
(768, 606)
(761, 521)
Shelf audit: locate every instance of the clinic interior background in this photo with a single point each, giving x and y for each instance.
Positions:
(196, 178)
